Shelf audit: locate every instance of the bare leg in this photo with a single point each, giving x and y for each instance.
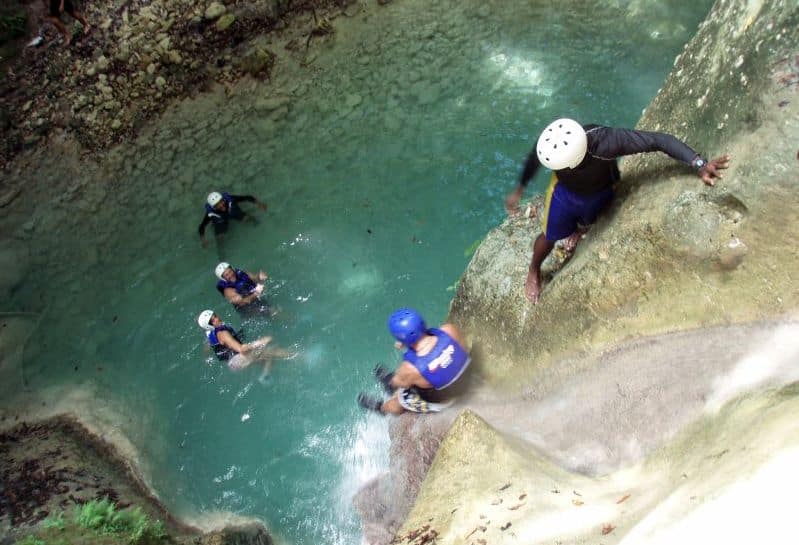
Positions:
(532, 286)
(62, 29)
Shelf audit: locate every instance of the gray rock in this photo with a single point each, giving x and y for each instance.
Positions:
(214, 10)
(225, 21)
(270, 104)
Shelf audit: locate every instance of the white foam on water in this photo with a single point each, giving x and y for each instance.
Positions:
(362, 457)
(774, 363)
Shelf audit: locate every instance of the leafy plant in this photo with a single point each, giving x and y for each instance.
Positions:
(142, 529)
(54, 522)
(102, 516)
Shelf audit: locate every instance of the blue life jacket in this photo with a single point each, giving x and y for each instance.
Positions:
(444, 364)
(244, 285)
(222, 352)
(222, 217)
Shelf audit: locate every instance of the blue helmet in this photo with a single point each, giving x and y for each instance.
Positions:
(406, 325)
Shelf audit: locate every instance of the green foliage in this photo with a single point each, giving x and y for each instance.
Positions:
(99, 515)
(30, 540)
(142, 529)
(102, 516)
(54, 522)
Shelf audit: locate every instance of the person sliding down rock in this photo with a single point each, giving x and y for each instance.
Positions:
(434, 361)
(240, 288)
(220, 208)
(583, 161)
(228, 346)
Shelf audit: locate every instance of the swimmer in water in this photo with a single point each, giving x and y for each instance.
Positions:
(228, 345)
(434, 361)
(220, 208)
(240, 288)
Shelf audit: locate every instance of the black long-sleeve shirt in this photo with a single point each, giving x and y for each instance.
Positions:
(222, 217)
(605, 144)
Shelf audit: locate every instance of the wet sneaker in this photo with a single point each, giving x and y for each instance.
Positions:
(369, 403)
(384, 377)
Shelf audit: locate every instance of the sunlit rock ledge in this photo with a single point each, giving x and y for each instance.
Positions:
(717, 264)
(671, 254)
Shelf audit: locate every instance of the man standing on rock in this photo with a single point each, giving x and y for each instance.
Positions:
(220, 208)
(583, 161)
(434, 360)
(56, 8)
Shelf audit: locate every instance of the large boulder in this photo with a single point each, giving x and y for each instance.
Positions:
(671, 254)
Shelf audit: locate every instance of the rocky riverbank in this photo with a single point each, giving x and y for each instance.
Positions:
(52, 466)
(141, 55)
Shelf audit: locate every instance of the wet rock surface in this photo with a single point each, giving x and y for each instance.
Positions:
(139, 56)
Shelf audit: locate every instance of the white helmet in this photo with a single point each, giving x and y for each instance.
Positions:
(214, 198)
(204, 319)
(562, 144)
(221, 268)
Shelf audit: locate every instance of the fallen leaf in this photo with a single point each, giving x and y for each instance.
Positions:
(576, 493)
(515, 507)
(496, 501)
(607, 528)
(481, 541)
(578, 503)
(504, 487)
(624, 498)
(505, 526)
(522, 496)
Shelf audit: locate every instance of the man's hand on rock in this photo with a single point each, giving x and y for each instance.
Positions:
(711, 171)
(512, 201)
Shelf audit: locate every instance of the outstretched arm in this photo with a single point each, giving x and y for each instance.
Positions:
(530, 168)
(610, 143)
(240, 300)
(248, 198)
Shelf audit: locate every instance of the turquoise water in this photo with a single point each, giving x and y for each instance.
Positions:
(382, 162)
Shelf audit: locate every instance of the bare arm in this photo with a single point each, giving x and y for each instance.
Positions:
(261, 276)
(453, 331)
(239, 300)
(407, 375)
(229, 341)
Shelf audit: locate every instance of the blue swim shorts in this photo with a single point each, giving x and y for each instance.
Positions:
(564, 209)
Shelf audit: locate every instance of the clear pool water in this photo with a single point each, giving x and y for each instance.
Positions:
(382, 161)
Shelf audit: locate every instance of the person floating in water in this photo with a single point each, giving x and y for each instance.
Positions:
(220, 208)
(240, 288)
(434, 360)
(583, 161)
(228, 345)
